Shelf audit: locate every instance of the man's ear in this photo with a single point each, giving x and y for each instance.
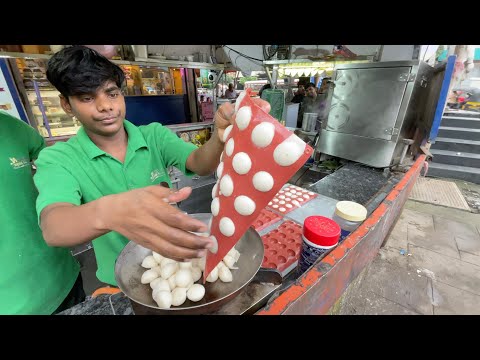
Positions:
(65, 105)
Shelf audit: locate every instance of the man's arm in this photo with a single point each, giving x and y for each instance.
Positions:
(206, 158)
(142, 215)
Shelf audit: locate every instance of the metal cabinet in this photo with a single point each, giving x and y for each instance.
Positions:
(373, 108)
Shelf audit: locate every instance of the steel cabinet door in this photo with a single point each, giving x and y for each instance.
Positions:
(366, 102)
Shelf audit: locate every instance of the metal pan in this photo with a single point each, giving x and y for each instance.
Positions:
(128, 272)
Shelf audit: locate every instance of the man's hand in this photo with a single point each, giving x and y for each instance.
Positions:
(225, 115)
(145, 217)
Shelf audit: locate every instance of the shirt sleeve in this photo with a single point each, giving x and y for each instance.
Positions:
(55, 183)
(29, 135)
(36, 142)
(173, 150)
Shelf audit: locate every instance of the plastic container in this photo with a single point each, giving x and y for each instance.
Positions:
(320, 234)
(349, 215)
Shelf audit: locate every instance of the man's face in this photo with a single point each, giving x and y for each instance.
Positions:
(311, 91)
(323, 87)
(101, 112)
(301, 90)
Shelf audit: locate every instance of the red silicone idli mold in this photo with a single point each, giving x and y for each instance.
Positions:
(290, 198)
(282, 247)
(262, 159)
(265, 219)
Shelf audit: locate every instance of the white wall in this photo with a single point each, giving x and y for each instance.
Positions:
(179, 50)
(298, 51)
(244, 64)
(357, 49)
(390, 52)
(397, 52)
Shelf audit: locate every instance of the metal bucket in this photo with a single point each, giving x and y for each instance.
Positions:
(309, 122)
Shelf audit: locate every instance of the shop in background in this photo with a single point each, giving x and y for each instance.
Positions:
(43, 102)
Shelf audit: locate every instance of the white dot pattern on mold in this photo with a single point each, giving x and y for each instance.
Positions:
(230, 147)
(263, 181)
(241, 163)
(226, 133)
(214, 190)
(239, 100)
(244, 115)
(220, 170)
(244, 205)
(262, 134)
(289, 151)
(282, 209)
(226, 185)
(227, 227)
(215, 206)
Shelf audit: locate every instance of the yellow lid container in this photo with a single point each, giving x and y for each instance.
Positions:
(351, 211)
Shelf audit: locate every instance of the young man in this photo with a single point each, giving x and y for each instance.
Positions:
(230, 93)
(35, 278)
(102, 184)
(299, 96)
(312, 103)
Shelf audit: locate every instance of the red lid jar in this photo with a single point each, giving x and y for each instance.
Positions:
(321, 231)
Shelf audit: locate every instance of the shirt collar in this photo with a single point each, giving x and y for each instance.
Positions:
(135, 140)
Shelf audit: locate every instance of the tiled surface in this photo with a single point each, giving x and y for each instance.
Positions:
(430, 264)
(450, 301)
(451, 271)
(438, 192)
(443, 243)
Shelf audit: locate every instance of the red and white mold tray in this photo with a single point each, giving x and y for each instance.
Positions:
(260, 156)
(282, 247)
(291, 197)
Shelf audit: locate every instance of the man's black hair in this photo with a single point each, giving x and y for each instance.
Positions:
(264, 87)
(78, 70)
(310, 84)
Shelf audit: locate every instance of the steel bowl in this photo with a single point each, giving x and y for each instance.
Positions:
(128, 272)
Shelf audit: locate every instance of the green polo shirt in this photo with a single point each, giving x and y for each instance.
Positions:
(77, 172)
(34, 278)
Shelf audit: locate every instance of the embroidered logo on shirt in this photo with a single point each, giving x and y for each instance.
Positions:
(19, 163)
(155, 174)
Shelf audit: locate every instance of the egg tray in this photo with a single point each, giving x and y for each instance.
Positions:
(291, 197)
(265, 219)
(282, 247)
